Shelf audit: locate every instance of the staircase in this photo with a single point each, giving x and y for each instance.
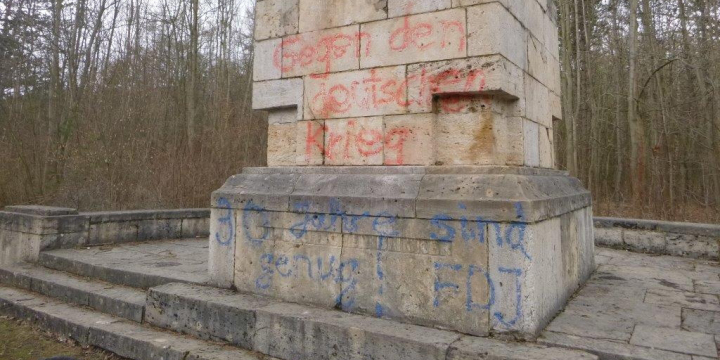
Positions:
(149, 301)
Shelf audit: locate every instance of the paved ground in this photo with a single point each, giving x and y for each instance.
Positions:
(654, 307)
(184, 260)
(635, 306)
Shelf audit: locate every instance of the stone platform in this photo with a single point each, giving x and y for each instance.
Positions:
(635, 306)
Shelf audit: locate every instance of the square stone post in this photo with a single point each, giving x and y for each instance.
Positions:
(410, 166)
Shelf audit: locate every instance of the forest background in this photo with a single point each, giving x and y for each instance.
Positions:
(127, 104)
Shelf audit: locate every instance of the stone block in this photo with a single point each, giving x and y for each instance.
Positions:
(283, 116)
(469, 348)
(282, 144)
(483, 138)
(276, 94)
(483, 23)
(113, 232)
(409, 140)
(530, 273)
(276, 18)
(266, 60)
(223, 233)
(39, 210)
(63, 241)
(674, 340)
(490, 76)
(531, 140)
(353, 337)
(415, 38)
(539, 61)
(609, 236)
(322, 14)
(207, 313)
(537, 102)
(645, 241)
(322, 52)
(701, 321)
(195, 227)
(408, 7)
(354, 141)
(160, 229)
(555, 106)
(608, 349)
(547, 149)
(310, 143)
(16, 247)
(372, 92)
(692, 246)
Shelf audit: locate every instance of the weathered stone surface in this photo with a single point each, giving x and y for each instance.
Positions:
(413, 39)
(645, 241)
(609, 237)
(195, 228)
(321, 52)
(352, 336)
(692, 246)
(483, 23)
(487, 75)
(159, 229)
(607, 349)
(276, 94)
(321, 14)
(41, 210)
(409, 140)
(354, 141)
(408, 7)
(266, 59)
(136, 265)
(113, 232)
(674, 340)
(339, 95)
(204, 312)
(531, 146)
(484, 138)
(281, 144)
(118, 301)
(275, 18)
(469, 348)
(684, 299)
(537, 101)
(701, 321)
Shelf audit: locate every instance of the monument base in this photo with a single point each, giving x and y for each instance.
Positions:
(479, 250)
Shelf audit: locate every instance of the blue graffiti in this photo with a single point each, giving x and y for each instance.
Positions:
(518, 299)
(445, 228)
(226, 221)
(439, 285)
(254, 209)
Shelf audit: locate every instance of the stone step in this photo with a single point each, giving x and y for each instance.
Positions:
(121, 301)
(76, 263)
(127, 339)
(291, 331)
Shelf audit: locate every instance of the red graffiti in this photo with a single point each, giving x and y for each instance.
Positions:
(366, 93)
(356, 142)
(295, 52)
(423, 85)
(417, 35)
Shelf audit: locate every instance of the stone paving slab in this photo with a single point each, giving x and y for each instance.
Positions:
(639, 306)
(141, 265)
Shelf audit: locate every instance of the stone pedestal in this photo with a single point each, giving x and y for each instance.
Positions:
(474, 249)
(411, 152)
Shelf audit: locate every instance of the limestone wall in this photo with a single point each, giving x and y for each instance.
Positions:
(399, 82)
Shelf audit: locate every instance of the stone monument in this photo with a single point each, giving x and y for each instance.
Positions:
(410, 177)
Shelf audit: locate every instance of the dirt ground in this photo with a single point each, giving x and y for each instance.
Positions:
(19, 341)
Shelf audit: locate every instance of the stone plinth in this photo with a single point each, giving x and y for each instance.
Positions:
(410, 149)
(475, 249)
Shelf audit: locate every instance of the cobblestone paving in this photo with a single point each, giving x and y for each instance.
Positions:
(640, 306)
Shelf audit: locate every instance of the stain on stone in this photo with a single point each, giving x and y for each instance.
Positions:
(484, 137)
(167, 264)
(669, 284)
